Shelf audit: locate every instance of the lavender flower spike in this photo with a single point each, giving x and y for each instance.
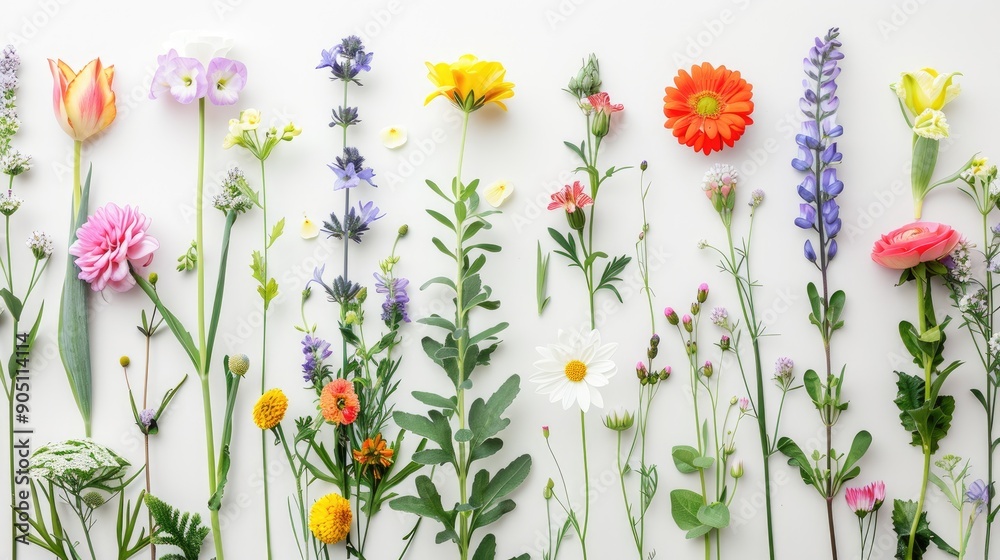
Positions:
(818, 152)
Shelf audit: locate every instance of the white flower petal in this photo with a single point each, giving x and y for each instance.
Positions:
(308, 229)
(596, 380)
(583, 395)
(392, 136)
(498, 192)
(597, 398)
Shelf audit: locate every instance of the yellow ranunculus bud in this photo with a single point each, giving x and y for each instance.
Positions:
(926, 89)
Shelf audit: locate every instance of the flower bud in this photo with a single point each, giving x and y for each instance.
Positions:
(654, 340)
(724, 342)
(403, 229)
(695, 308)
(744, 404)
(547, 491)
(618, 420)
(688, 325)
(671, 315)
(545, 432)
(239, 364)
(702, 292)
(124, 361)
(665, 373)
(577, 219)
(640, 370)
(643, 165)
(362, 295)
(153, 278)
(692, 348)
(737, 469)
(729, 448)
(651, 352)
(601, 124)
(732, 401)
(93, 499)
(707, 369)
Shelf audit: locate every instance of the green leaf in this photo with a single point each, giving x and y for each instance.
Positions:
(797, 458)
(13, 304)
(488, 333)
(814, 387)
(268, 292)
(74, 332)
(837, 302)
(927, 422)
(463, 435)
(684, 506)
(485, 449)
(438, 190)
(684, 457)
(220, 285)
(439, 280)
(487, 500)
(436, 401)
(925, 155)
(903, 514)
(29, 343)
(172, 528)
(438, 321)
(541, 278)
(441, 218)
(714, 515)
(487, 549)
(427, 504)
(859, 446)
(578, 150)
(441, 247)
(215, 502)
(257, 266)
(945, 489)
(485, 418)
(276, 232)
(435, 427)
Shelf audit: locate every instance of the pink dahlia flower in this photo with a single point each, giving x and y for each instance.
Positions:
(109, 242)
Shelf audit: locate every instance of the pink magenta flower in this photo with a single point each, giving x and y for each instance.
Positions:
(913, 244)
(570, 198)
(226, 79)
(866, 499)
(111, 241)
(601, 102)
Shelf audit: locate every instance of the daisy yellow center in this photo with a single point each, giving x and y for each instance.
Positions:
(575, 371)
(706, 104)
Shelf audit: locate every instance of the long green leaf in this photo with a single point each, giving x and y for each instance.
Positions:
(180, 333)
(220, 287)
(74, 336)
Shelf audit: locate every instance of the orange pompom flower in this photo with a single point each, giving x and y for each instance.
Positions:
(339, 403)
(375, 455)
(709, 107)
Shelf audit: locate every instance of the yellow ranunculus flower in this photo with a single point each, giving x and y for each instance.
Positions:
(931, 124)
(926, 89)
(470, 83)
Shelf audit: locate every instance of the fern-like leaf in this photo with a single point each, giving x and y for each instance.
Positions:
(184, 531)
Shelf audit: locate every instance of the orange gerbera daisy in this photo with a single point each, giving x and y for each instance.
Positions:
(709, 107)
(374, 454)
(339, 403)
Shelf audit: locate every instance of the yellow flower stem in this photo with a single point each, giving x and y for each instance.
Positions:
(77, 190)
(263, 366)
(460, 325)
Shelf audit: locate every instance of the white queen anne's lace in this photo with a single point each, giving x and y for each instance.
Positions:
(75, 463)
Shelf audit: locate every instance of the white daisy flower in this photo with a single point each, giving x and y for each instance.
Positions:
(572, 370)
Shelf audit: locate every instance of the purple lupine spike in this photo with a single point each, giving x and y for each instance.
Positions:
(817, 151)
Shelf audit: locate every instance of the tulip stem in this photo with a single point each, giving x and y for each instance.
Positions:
(77, 192)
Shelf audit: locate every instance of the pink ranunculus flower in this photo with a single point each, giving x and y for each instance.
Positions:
(112, 240)
(915, 243)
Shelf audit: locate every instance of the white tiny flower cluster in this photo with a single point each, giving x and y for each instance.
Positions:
(994, 344)
(40, 244)
(974, 303)
(720, 317)
(74, 463)
(9, 203)
(961, 256)
(718, 176)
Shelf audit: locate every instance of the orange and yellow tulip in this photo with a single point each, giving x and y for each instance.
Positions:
(84, 103)
(470, 83)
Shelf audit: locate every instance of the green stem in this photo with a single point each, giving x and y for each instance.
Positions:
(263, 366)
(586, 485)
(460, 325)
(922, 286)
(746, 305)
(10, 264)
(990, 388)
(77, 190)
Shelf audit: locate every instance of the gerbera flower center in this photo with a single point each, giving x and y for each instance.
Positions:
(706, 104)
(575, 371)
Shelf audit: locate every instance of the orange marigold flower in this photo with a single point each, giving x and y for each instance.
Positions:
(374, 454)
(339, 403)
(709, 107)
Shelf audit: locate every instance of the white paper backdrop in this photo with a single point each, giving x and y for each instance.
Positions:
(148, 158)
